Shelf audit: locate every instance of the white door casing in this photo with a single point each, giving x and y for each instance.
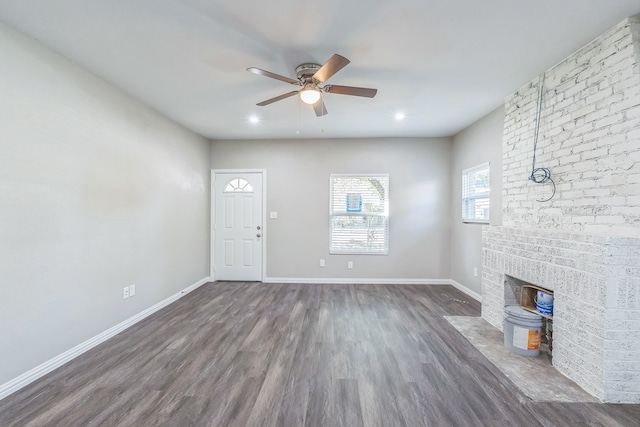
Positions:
(237, 223)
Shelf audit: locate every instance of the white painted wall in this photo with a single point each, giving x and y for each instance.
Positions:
(97, 192)
(479, 143)
(298, 189)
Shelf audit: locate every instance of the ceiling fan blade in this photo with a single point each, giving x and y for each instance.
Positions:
(319, 108)
(260, 72)
(332, 66)
(351, 90)
(277, 98)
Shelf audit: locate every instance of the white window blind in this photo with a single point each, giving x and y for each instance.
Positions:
(475, 194)
(359, 210)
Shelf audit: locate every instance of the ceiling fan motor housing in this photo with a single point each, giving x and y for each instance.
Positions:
(306, 71)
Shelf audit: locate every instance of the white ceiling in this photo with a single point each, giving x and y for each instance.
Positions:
(444, 63)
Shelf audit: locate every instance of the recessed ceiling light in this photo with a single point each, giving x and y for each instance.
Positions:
(399, 116)
(254, 119)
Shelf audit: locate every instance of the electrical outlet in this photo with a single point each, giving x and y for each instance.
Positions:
(475, 271)
(350, 265)
(125, 292)
(321, 263)
(132, 290)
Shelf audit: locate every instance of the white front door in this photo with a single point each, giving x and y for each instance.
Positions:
(237, 226)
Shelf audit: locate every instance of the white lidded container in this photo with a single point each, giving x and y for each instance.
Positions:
(522, 331)
(544, 303)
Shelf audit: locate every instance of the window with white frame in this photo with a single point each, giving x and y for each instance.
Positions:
(475, 194)
(359, 210)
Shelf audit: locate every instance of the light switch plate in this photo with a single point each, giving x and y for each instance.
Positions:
(273, 214)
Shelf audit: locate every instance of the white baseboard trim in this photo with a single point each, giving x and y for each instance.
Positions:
(355, 281)
(28, 377)
(360, 281)
(462, 288)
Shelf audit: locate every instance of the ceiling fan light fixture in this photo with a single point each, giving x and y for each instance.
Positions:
(309, 94)
(313, 77)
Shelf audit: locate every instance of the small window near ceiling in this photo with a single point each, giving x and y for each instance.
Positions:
(359, 210)
(238, 185)
(475, 194)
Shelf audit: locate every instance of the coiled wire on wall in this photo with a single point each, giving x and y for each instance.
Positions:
(540, 175)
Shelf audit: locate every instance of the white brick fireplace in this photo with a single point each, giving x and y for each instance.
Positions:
(584, 243)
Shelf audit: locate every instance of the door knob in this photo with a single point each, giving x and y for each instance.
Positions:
(258, 227)
(258, 235)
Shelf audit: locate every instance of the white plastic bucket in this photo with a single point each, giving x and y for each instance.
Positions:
(522, 331)
(544, 303)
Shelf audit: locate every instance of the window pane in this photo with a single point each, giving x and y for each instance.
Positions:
(238, 185)
(480, 181)
(475, 194)
(372, 190)
(359, 234)
(359, 214)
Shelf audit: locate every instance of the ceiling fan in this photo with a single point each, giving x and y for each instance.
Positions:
(310, 77)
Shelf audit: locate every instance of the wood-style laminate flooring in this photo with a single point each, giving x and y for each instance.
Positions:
(253, 354)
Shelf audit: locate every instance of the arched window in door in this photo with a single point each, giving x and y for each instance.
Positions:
(238, 185)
